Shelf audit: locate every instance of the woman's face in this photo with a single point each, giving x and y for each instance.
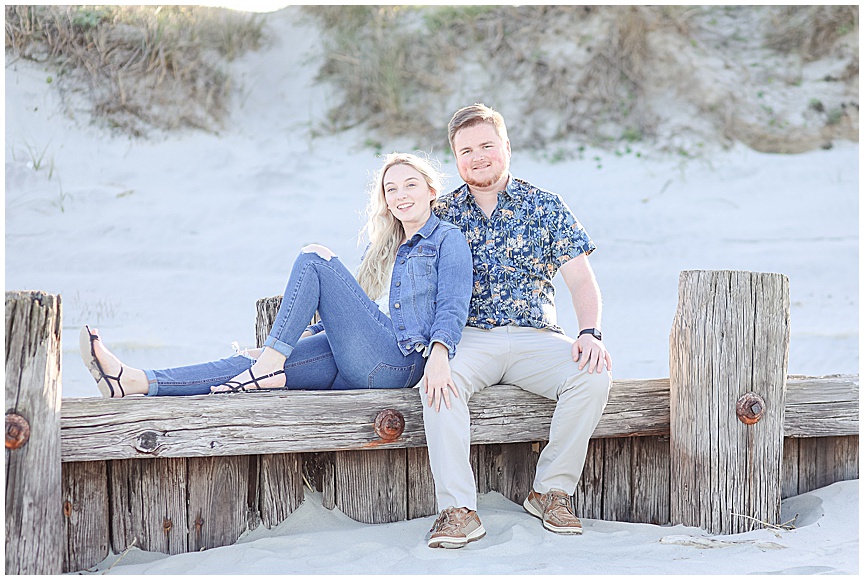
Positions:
(408, 196)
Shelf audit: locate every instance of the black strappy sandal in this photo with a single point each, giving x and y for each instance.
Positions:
(238, 387)
(88, 354)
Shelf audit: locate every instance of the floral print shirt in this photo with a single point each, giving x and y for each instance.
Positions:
(516, 252)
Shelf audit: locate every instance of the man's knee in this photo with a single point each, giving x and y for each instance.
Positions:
(322, 251)
(593, 385)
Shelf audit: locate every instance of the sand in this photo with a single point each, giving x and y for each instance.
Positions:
(165, 244)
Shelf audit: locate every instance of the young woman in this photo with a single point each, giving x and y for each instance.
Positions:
(397, 322)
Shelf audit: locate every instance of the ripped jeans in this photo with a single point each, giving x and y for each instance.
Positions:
(357, 350)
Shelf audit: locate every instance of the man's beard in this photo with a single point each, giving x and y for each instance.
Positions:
(486, 182)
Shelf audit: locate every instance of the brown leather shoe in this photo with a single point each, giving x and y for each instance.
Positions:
(555, 509)
(455, 527)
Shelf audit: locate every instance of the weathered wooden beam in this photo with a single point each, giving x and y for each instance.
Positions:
(728, 354)
(299, 421)
(821, 406)
(34, 516)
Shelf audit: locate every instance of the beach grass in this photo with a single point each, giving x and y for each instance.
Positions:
(139, 67)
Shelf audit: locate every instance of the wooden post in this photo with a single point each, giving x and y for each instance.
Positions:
(281, 476)
(34, 511)
(730, 338)
(149, 505)
(86, 514)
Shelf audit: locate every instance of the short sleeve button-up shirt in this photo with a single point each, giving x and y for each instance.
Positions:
(517, 250)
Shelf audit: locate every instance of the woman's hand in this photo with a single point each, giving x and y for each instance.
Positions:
(436, 377)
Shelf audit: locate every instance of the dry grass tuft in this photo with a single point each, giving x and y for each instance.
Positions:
(811, 31)
(373, 60)
(143, 66)
(398, 69)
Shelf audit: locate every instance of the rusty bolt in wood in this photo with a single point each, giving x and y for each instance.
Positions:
(17, 431)
(389, 424)
(750, 408)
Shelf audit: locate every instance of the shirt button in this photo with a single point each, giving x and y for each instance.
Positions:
(396, 305)
(401, 328)
(401, 261)
(398, 284)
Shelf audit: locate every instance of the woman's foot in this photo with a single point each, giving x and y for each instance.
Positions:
(267, 373)
(114, 379)
(251, 381)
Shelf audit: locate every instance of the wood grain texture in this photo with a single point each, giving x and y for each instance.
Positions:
(280, 486)
(588, 498)
(617, 481)
(221, 499)
(730, 336)
(95, 429)
(650, 483)
(824, 460)
(149, 505)
(34, 517)
(824, 406)
(85, 514)
(421, 485)
(507, 468)
(371, 486)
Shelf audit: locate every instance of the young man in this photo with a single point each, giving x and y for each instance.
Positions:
(520, 236)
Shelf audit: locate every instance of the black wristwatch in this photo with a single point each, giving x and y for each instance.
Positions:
(593, 332)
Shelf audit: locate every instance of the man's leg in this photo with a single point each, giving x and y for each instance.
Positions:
(542, 364)
(479, 362)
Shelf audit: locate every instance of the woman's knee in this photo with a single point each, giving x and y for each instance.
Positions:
(322, 251)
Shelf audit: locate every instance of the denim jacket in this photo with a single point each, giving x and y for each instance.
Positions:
(430, 288)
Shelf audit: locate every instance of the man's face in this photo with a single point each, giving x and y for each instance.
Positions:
(482, 157)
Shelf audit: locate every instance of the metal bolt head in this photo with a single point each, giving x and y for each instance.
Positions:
(389, 424)
(17, 431)
(750, 408)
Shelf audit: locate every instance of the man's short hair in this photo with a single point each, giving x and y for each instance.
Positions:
(474, 115)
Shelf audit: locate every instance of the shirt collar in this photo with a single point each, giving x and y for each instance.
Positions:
(429, 226)
(514, 188)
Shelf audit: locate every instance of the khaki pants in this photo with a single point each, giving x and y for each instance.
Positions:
(532, 359)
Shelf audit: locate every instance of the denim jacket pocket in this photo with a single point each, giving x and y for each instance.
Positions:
(422, 260)
(386, 376)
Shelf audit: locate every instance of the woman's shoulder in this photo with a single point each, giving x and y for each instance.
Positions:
(446, 228)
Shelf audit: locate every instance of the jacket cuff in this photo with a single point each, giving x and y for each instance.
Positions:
(442, 338)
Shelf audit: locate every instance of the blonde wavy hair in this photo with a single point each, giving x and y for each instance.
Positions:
(384, 232)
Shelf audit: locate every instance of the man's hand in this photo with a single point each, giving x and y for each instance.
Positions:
(436, 377)
(587, 350)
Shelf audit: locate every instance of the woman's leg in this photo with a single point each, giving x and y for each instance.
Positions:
(295, 312)
(311, 367)
(360, 335)
(357, 350)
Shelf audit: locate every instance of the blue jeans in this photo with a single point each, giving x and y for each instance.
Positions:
(357, 349)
